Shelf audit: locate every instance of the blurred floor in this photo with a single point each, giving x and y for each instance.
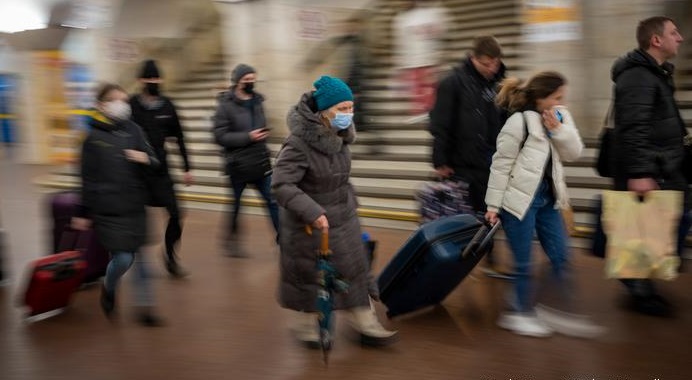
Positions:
(224, 322)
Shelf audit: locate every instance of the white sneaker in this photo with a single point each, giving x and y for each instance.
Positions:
(526, 324)
(569, 324)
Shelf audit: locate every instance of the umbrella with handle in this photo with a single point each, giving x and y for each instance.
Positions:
(330, 282)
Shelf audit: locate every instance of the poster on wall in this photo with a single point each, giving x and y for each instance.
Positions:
(79, 90)
(53, 118)
(8, 134)
(551, 20)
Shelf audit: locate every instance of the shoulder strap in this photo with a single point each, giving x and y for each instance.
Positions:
(526, 131)
(609, 122)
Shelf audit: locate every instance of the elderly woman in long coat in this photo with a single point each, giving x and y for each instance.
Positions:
(311, 185)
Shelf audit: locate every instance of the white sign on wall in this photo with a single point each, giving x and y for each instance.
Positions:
(312, 24)
(122, 50)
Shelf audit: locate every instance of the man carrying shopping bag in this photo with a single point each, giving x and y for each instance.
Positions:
(647, 145)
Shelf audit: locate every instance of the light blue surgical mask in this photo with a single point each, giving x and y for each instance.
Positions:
(341, 120)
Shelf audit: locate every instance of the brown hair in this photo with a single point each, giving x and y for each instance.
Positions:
(514, 95)
(106, 89)
(486, 45)
(648, 28)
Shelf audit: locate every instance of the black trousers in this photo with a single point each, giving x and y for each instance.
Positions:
(162, 194)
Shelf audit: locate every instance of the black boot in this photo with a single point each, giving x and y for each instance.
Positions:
(149, 319)
(653, 304)
(172, 240)
(173, 268)
(107, 302)
(644, 299)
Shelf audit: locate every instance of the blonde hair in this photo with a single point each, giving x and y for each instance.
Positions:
(515, 95)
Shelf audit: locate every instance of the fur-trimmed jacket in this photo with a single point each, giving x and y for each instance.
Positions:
(517, 171)
(311, 178)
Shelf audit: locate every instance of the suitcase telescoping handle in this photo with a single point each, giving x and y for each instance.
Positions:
(480, 240)
(74, 240)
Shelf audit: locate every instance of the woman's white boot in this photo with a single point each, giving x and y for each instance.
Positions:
(372, 333)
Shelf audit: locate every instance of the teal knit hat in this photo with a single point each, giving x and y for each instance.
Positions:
(330, 91)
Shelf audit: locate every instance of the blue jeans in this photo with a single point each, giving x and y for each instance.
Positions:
(263, 185)
(549, 226)
(119, 264)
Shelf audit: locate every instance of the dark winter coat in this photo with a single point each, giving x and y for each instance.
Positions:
(159, 121)
(235, 118)
(465, 123)
(649, 130)
(311, 178)
(113, 188)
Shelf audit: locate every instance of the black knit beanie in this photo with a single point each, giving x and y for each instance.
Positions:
(149, 70)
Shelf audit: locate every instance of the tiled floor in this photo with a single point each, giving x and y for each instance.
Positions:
(223, 321)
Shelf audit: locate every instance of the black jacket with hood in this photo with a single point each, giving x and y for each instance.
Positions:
(649, 130)
(113, 188)
(465, 123)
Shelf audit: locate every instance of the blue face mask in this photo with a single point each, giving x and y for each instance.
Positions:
(341, 120)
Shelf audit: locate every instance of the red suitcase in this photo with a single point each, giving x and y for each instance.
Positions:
(53, 280)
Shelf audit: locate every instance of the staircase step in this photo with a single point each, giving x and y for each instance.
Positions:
(195, 114)
(395, 137)
(211, 75)
(199, 136)
(199, 85)
(198, 124)
(193, 94)
(208, 103)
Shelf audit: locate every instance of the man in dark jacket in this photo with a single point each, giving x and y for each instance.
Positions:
(648, 141)
(465, 121)
(157, 116)
(240, 127)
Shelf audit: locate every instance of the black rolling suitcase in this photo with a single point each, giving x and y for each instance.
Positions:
(432, 262)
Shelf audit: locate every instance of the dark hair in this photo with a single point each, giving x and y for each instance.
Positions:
(650, 27)
(486, 45)
(105, 89)
(514, 95)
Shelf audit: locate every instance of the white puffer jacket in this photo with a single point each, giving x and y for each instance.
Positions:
(516, 172)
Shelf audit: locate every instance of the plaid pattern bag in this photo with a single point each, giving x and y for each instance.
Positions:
(445, 198)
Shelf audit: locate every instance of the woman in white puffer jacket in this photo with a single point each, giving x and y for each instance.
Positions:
(526, 190)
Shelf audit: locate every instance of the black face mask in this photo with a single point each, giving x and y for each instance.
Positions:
(152, 89)
(249, 88)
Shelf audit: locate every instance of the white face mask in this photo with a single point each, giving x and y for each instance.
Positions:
(117, 110)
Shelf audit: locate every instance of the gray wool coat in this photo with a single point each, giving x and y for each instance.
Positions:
(311, 178)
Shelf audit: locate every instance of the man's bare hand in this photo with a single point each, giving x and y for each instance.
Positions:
(259, 134)
(444, 171)
(641, 185)
(188, 178)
